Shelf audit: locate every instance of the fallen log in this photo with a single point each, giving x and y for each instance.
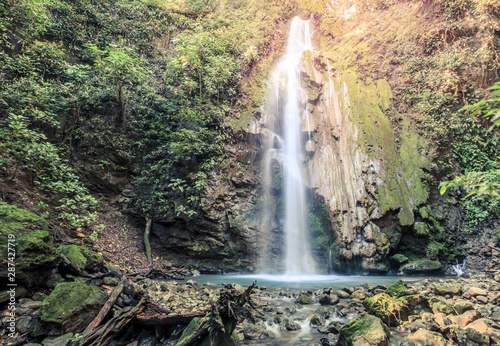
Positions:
(105, 309)
(146, 319)
(104, 334)
(218, 325)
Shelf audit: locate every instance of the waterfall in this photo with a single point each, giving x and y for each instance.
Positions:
(459, 268)
(285, 146)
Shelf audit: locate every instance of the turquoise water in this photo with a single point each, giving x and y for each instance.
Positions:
(302, 282)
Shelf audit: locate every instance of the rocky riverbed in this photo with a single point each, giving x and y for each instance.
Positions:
(455, 311)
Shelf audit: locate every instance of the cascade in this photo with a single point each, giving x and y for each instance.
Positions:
(285, 147)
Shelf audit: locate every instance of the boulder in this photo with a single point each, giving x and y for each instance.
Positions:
(328, 299)
(448, 289)
(304, 299)
(476, 291)
(82, 258)
(35, 256)
(365, 329)
(69, 308)
(427, 337)
(391, 310)
(61, 340)
(343, 294)
(465, 318)
(317, 320)
(485, 327)
(439, 305)
(421, 267)
(463, 306)
(254, 332)
(399, 289)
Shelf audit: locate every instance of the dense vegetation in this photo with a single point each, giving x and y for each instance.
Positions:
(148, 89)
(133, 84)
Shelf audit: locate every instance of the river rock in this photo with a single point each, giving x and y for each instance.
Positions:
(427, 337)
(304, 299)
(316, 320)
(254, 332)
(365, 329)
(421, 267)
(486, 328)
(448, 289)
(391, 310)
(61, 340)
(69, 308)
(343, 294)
(476, 291)
(323, 311)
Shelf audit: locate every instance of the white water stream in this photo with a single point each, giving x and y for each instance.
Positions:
(286, 147)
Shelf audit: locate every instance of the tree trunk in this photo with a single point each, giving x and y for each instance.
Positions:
(147, 231)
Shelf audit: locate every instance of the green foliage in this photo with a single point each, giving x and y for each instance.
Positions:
(478, 151)
(28, 18)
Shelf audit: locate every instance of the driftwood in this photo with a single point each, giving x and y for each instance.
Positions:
(215, 326)
(147, 319)
(104, 334)
(105, 309)
(218, 325)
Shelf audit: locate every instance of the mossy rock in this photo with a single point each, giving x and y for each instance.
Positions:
(438, 305)
(69, 308)
(82, 257)
(35, 256)
(463, 307)
(304, 299)
(448, 289)
(392, 310)
(399, 259)
(421, 228)
(61, 340)
(365, 329)
(425, 266)
(399, 289)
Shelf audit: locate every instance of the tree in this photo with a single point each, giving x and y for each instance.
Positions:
(120, 66)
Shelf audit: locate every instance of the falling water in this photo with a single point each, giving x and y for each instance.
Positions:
(285, 146)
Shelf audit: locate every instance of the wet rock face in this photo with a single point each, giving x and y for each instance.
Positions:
(223, 236)
(355, 165)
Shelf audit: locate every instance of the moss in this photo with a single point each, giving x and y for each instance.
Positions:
(399, 258)
(357, 326)
(422, 266)
(200, 246)
(34, 253)
(442, 306)
(364, 329)
(192, 327)
(304, 299)
(82, 257)
(67, 299)
(95, 262)
(396, 288)
(392, 311)
(461, 308)
(74, 255)
(421, 228)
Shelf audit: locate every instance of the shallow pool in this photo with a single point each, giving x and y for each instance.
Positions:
(303, 281)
